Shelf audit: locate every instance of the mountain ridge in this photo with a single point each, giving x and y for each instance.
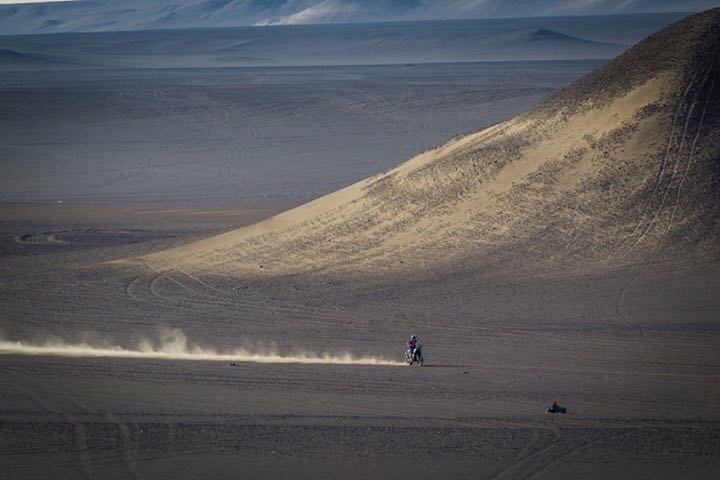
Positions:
(372, 44)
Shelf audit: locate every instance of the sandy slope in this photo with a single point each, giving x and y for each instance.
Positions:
(610, 170)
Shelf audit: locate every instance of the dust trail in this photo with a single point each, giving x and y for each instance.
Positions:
(174, 345)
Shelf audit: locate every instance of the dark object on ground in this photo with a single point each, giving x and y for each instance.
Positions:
(557, 408)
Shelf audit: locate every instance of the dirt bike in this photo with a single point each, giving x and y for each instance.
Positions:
(414, 355)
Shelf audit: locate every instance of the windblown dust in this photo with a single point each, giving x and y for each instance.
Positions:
(173, 344)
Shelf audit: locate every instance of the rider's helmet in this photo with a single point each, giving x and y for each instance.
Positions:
(413, 337)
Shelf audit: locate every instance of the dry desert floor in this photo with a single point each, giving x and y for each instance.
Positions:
(633, 354)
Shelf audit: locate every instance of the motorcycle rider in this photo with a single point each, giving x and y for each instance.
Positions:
(412, 344)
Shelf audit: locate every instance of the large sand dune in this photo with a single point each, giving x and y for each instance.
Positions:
(611, 170)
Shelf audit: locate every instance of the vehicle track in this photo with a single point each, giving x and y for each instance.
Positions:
(165, 290)
(79, 435)
(519, 468)
(115, 180)
(571, 453)
(523, 453)
(619, 310)
(668, 185)
(691, 153)
(127, 449)
(646, 228)
(661, 172)
(277, 306)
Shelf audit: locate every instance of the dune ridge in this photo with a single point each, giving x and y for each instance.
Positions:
(617, 168)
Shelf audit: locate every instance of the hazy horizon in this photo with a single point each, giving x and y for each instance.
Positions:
(109, 15)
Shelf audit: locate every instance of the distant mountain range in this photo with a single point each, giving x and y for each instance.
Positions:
(522, 39)
(113, 15)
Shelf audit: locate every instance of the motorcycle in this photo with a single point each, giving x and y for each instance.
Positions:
(414, 355)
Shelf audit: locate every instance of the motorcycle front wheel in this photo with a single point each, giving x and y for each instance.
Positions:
(419, 359)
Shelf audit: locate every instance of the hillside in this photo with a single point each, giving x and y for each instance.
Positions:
(617, 168)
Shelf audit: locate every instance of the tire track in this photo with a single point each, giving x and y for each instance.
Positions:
(663, 166)
(82, 445)
(574, 452)
(130, 289)
(521, 454)
(166, 301)
(126, 446)
(254, 310)
(115, 180)
(692, 150)
(278, 307)
(150, 287)
(515, 470)
(657, 210)
(249, 311)
(80, 438)
(618, 307)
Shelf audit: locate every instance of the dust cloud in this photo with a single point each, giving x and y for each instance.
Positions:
(173, 344)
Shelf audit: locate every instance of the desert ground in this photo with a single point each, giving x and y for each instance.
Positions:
(569, 254)
(633, 354)
(243, 135)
